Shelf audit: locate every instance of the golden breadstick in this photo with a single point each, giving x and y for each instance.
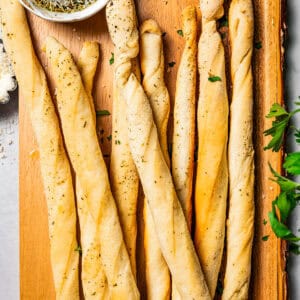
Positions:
(124, 178)
(184, 115)
(93, 278)
(240, 224)
(212, 170)
(152, 65)
(86, 157)
(123, 174)
(184, 119)
(55, 168)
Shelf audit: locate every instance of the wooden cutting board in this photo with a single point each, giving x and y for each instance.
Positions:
(268, 276)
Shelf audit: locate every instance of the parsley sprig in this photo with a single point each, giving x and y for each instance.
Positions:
(279, 125)
(289, 196)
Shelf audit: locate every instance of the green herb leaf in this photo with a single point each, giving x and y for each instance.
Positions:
(265, 238)
(279, 125)
(101, 113)
(109, 137)
(214, 78)
(292, 163)
(180, 32)
(285, 203)
(289, 197)
(112, 58)
(285, 184)
(281, 229)
(265, 222)
(282, 118)
(258, 45)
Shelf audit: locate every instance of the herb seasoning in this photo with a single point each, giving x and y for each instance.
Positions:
(66, 6)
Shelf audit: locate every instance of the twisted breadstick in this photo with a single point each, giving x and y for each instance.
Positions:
(184, 115)
(152, 64)
(94, 282)
(184, 119)
(86, 157)
(169, 221)
(212, 173)
(240, 224)
(123, 174)
(55, 168)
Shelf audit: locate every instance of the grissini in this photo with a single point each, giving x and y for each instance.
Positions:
(184, 119)
(212, 170)
(175, 241)
(123, 174)
(240, 223)
(94, 282)
(123, 177)
(87, 160)
(185, 115)
(158, 281)
(54, 164)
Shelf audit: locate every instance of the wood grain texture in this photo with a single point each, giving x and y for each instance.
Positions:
(268, 268)
(268, 280)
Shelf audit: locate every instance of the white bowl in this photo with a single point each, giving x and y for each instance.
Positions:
(64, 17)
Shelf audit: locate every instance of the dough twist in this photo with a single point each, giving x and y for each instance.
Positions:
(123, 174)
(212, 170)
(184, 119)
(152, 64)
(94, 282)
(184, 115)
(240, 224)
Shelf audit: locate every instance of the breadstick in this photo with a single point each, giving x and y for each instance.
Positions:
(94, 282)
(184, 115)
(87, 160)
(124, 178)
(152, 65)
(55, 168)
(123, 174)
(212, 170)
(184, 119)
(240, 224)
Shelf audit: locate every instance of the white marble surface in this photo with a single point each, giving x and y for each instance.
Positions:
(9, 249)
(9, 212)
